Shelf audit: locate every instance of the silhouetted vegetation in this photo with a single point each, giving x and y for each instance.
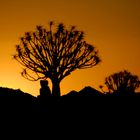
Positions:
(54, 53)
(44, 90)
(122, 83)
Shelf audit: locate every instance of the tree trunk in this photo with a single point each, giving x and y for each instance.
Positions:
(55, 88)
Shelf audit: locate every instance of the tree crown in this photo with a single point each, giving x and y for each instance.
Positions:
(54, 52)
(122, 81)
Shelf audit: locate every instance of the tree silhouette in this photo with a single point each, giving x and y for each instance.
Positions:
(122, 82)
(54, 53)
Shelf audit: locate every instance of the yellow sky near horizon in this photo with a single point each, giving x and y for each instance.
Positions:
(113, 26)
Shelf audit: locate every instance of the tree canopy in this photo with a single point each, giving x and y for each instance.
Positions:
(122, 82)
(54, 53)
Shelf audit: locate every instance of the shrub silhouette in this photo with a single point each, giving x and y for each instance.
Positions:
(54, 53)
(122, 82)
(44, 90)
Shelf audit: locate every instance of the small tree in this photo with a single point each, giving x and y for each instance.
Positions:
(54, 53)
(122, 82)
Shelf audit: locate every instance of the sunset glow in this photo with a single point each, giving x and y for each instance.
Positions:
(112, 26)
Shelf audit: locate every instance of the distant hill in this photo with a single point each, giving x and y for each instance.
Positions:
(86, 99)
(5, 92)
(16, 100)
(89, 91)
(89, 98)
(85, 92)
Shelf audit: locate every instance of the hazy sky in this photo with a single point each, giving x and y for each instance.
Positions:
(113, 26)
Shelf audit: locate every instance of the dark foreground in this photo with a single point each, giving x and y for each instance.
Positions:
(87, 101)
(73, 111)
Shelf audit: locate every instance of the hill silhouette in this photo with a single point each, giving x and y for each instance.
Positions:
(15, 101)
(8, 92)
(86, 92)
(9, 97)
(86, 101)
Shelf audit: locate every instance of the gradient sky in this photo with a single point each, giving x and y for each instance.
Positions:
(113, 26)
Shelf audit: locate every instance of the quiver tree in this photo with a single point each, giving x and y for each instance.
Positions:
(54, 53)
(122, 82)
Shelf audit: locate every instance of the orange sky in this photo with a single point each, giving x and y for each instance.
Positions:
(113, 26)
